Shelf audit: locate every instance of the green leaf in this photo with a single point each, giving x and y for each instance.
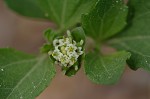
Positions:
(23, 76)
(136, 37)
(64, 13)
(105, 20)
(78, 34)
(46, 48)
(105, 69)
(50, 35)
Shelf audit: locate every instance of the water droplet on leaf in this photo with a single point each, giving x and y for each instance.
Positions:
(2, 69)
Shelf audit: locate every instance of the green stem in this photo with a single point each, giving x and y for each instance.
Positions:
(97, 47)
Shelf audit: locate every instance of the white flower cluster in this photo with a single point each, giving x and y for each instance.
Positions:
(66, 51)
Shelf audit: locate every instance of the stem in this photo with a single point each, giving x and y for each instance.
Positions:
(97, 47)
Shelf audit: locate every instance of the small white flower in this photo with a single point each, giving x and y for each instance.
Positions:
(64, 60)
(67, 41)
(56, 54)
(79, 51)
(74, 55)
(66, 51)
(61, 42)
(55, 42)
(72, 60)
(71, 48)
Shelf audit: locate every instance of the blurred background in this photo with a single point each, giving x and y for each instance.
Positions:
(27, 35)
